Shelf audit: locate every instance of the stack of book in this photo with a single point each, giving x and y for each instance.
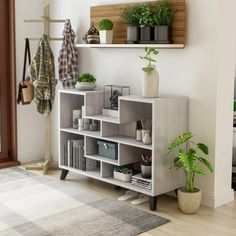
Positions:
(74, 154)
(141, 182)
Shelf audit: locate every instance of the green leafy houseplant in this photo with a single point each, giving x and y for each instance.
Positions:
(146, 18)
(105, 24)
(190, 160)
(123, 170)
(86, 78)
(131, 15)
(163, 15)
(149, 59)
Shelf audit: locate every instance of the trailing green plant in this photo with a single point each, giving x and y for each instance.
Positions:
(146, 17)
(190, 160)
(163, 15)
(86, 78)
(105, 24)
(146, 159)
(131, 15)
(123, 170)
(148, 58)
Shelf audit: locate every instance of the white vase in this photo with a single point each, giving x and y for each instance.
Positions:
(106, 36)
(151, 84)
(85, 86)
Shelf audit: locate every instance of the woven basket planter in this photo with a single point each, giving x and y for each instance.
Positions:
(151, 84)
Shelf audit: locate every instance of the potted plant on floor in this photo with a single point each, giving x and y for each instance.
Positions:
(151, 76)
(192, 163)
(163, 17)
(106, 31)
(123, 174)
(146, 165)
(85, 82)
(131, 17)
(146, 22)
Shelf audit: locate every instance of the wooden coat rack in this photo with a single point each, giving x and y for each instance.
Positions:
(48, 163)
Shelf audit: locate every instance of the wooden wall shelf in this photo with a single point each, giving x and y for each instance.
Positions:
(158, 46)
(114, 12)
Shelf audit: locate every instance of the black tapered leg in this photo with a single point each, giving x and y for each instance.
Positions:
(176, 192)
(64, 174)
(117, 187)
(153, 203)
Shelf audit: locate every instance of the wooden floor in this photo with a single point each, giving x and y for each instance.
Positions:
(216, 222)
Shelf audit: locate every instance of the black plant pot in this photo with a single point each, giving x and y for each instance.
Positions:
(147, 34)
(133, 33)
(162, 34)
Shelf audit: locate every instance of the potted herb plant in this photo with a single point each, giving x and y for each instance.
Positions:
(146, 165)
(146, 22)
(131, 17)
(151, 76)
(86, 82)
(123, 174)
(106, 31)
(192, 163)
(163, 17)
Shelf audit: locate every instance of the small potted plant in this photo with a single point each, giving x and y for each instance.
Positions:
(163, 17)
(131, 17)
(146, 22)
(151, 76)
(192, 163)
(123, 174)
(106, 31)
(146, 165)
(86, 82)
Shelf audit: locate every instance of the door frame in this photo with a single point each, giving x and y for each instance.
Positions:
(11, 58)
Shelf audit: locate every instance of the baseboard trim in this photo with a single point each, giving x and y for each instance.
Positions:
(217, 200)
(9, 164)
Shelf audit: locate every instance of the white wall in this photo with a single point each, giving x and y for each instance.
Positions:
(198, 71)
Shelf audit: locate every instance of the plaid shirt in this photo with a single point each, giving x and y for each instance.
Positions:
(68, 58)
(42, 72)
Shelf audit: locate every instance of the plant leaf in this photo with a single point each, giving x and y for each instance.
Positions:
(206, 163)
(178, 141)
(203, 148)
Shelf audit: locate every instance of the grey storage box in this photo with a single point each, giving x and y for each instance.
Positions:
(107, 149)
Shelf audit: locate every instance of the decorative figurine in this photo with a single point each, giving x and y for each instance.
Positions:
(92, 36)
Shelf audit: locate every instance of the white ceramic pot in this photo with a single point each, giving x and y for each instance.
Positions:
(189, 203)
(85, 86)
(151, 84)
(146, 137)
(122, 177)
(106, 36)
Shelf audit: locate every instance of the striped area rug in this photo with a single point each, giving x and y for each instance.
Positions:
(35, 205)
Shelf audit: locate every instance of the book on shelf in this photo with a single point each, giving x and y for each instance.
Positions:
(73, 152)
(139, 181)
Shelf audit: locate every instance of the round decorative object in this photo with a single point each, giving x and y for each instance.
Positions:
(151, 84)
(189, 203)
(85, 86)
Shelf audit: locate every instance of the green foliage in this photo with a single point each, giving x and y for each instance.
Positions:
(146, 17)
(105, 24)
(190, 160)
(123, 170)
(163, 15)
(149, 52)
(131, 15)
(86, 78)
